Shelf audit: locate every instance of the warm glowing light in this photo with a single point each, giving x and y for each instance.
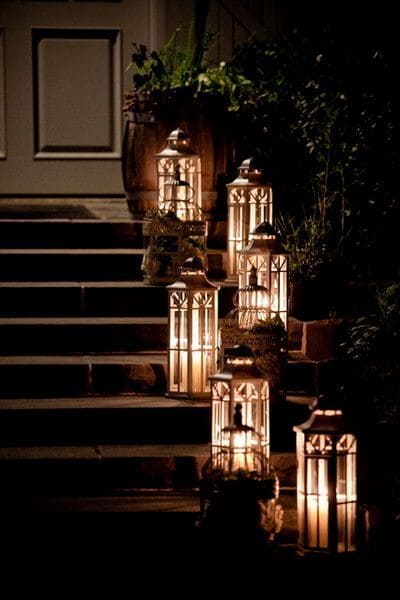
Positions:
(265, 254)
(240, 414)
(179, 178)
(192, 322)
(326, 484)
(249, 203)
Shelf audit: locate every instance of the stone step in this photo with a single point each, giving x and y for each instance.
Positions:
(126, 419)
(58, 376)
(159, 528)
(91, 264)
(103, 420)
(92, 298)
(55, 264)
(71, 208)
(132, 373)
(48, 375)
(66, 233)
(78, 335)
(307, 376)
(116, 469)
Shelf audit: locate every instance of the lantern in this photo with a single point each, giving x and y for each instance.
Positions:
(265, 253)
(192, 326)
(240, 415)
(179, 178)
(326, 484)
(249, 203)
(253, 302)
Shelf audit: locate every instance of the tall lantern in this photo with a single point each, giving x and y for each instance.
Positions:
(193, 332)
(326, 484)
(240, 415)
(253, 302)
(249, 203)
(179, 178)
(265, 253)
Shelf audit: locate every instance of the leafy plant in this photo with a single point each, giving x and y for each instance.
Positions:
(179, 73)
(373, 348)
(321, 112)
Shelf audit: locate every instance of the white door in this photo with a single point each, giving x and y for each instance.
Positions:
(62, 74)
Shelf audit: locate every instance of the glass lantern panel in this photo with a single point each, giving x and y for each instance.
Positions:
(260, 262)
(178, 375)
(260, 203)
(346, 488)
(238, 226)
(220, 409)
(278, 286)
(317, 502)
(189, 173)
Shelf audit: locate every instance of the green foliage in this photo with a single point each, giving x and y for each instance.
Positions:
(321, 111)
(179, 73)
(273, 330)
(373, 348)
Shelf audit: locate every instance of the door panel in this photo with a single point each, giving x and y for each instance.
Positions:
(62, 74)
(77, 112)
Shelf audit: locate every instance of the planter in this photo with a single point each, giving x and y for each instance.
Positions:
(144, 137)
(269, 355)
(169, 242)
(140, 144)
(240, 508)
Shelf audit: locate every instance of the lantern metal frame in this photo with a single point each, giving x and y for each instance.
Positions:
(240, 384)
(326, 484)
(249, 203)
(265, 253)
(179, 178)
(253, 302)
(192, 332)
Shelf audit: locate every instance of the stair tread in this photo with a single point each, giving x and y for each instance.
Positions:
(67, 251)
(82, 320)
(51, 220)
(100, 451)
(97, 402)
(116, 451)
(134, 283)
(84, 359)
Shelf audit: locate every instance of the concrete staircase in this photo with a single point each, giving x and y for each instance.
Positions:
(83, 364)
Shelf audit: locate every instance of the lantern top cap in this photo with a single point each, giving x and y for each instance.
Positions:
(251, 164)
(193, 263)
(264, 228)
(177, 134)
(327, 416)
(177, 145)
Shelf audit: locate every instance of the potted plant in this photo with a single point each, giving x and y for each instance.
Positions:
(176, 87)
(268, 341)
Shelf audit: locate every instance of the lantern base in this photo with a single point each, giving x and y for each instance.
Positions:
(238, 509)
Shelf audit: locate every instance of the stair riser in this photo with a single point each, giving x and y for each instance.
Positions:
(70, 267)
(102, 476)
(81, 267)
(58, 380)
(301, 378)
(105, 426)
(92, 301)
(53, 234)
(52, 381)
(107, 475)
(81, 339)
